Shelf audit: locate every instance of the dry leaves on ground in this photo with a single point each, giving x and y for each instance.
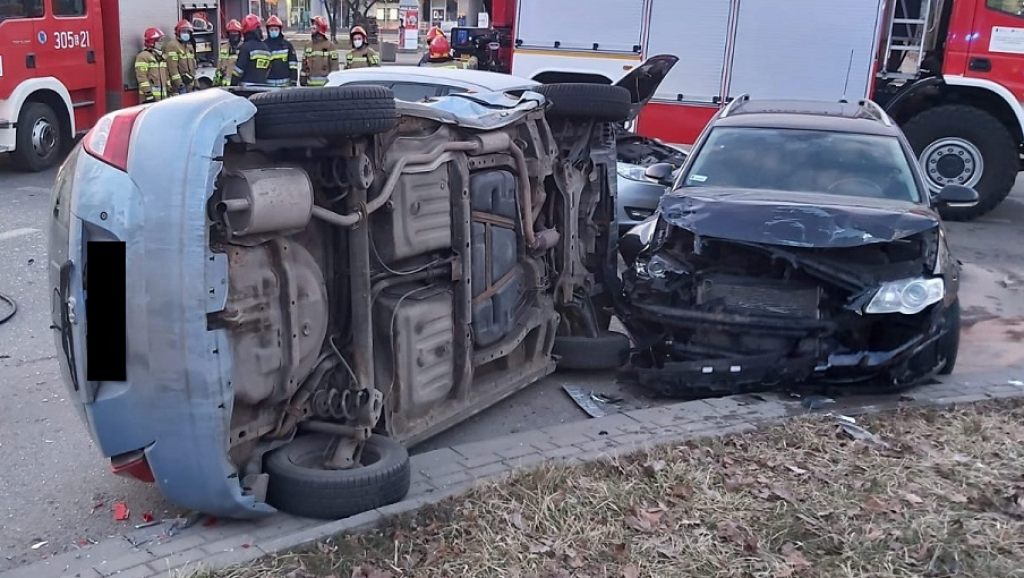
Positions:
(943, 495)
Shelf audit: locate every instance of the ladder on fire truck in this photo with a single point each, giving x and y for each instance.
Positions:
(909, 33)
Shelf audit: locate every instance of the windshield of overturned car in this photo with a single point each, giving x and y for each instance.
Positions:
(813, 161)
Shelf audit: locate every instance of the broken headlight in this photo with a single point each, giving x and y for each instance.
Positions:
(907, 296)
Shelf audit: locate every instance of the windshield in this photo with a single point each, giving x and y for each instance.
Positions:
(811, 161)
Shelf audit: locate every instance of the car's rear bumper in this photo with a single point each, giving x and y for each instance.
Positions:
(177, 400)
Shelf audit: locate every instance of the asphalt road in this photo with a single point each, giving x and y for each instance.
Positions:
(55, 486)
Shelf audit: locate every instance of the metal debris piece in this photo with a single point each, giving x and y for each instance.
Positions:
(39, 545)
(856, 432)
(1016, 382)
(148, 524)
(584, 401)
(842, 418)
(605, 398)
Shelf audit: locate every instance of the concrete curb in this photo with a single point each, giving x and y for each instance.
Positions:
(445, 472)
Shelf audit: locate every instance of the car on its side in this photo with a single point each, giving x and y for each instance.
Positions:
(266, 314)
(638, 191)
(799, 243)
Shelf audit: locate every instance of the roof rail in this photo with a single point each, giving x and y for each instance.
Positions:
(875, 108)
(732, 103)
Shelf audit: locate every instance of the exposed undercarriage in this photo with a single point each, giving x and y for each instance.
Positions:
(713, 315)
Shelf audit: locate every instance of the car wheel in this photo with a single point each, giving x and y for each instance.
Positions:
(574, 100)
(40, 138)
(949, 344)
(301, 486)
(609, 350)
(325, 112)
(966, 146)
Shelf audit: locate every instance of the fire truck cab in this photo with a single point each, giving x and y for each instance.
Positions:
(66, 63)
(951, 72)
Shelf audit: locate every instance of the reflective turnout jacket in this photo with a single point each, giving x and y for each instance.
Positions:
(225, 64)
(362, 58)
(470, 64)
(319, 60)
(284, 64)
(151, 74)
(253, 63)
(181, 62)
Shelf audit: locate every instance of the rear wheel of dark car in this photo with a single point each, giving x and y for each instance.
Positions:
(302, 486)
(39, 139)
(325, 112)
(609, 350)
(964, 145)
(599, 101)
(949, 344)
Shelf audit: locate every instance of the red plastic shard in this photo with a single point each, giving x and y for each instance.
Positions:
(121, 511)
(147, 517)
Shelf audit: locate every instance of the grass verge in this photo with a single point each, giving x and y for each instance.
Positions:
(936, 493)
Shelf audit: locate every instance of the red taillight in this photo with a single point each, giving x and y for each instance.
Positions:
(132, 465)
(109, 139)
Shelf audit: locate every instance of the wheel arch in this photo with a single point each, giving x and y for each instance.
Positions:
(48, 91)
(986, 95)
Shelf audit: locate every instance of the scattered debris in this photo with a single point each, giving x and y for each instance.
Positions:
(605, 398)
(147, 517)
(1016, 382)
(816, 402)
(156, 532)
(858, 433)
(584, 401)
(841, 418)
(39, 545)
(147, 524)
(121, 512)
(97, 507)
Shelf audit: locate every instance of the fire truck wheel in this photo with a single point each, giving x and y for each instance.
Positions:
(39, 138)
(964, 145)
(325, 112)
(300, 484)
(601, 101)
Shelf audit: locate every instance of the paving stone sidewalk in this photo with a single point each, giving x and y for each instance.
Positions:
(444, 472)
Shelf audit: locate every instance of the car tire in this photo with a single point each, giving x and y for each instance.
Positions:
(39, 139)
(609, 350)
(578, 100)
(975, 132)
(949, 344)
(300, 488)
(329, 111)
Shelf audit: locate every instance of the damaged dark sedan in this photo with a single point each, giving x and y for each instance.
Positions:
(799, 245)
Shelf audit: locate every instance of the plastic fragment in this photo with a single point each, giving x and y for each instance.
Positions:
(147, 517)
(39, 545)
(121, 512)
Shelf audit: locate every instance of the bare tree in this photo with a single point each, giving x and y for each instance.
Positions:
(333, 10)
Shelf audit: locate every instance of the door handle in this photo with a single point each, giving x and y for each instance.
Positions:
(980, 65)
(30, 60)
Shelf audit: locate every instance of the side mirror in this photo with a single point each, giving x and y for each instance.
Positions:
(957, 196)
(661, 172)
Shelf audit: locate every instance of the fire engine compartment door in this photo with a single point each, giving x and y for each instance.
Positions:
(804, 48)
(696, 31)
(610, 25)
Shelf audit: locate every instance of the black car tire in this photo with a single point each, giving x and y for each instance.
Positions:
(577, 100)
(609, 350)
(325, 112)
(25, 156)
(949, 344)
(997, 147)
(298, 488)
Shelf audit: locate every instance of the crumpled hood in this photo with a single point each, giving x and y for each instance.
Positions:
(794, 219)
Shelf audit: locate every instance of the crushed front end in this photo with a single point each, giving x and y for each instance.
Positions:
(745, 311)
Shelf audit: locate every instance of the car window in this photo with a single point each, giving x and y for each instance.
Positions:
(414, 92)
(804, 161)
(21, 9)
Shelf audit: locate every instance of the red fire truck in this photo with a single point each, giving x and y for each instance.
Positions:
(951, 72)
(66, 63)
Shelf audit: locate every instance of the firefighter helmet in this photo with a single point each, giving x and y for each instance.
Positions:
(440, 48)
(251, 23)
(182, 26)
(433, 33)
(274, 21)
(234, 26)
(151, 36)
(357, 30)
(320, 25)
(200, 23)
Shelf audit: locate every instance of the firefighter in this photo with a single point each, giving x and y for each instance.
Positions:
(361, 55)
(228, 54)
(284, 65)
(321, 57)
(151, 68)
(440, 56)
(253, 62)
(433, 33)
(181, 59)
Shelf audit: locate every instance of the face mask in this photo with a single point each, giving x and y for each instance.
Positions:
(185, 36)
(275, 33)
(234, 38)
(358, 43)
